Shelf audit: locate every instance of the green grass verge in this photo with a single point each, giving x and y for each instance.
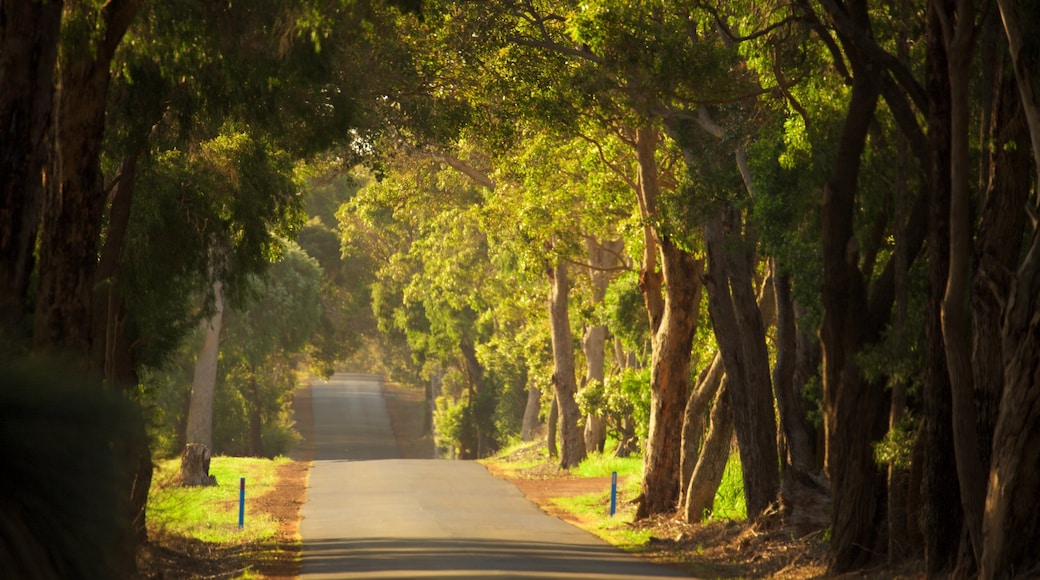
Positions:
(593, 510)
(729, 499)
(210, 514)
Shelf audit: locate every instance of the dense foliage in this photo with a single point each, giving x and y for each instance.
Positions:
(808, 226)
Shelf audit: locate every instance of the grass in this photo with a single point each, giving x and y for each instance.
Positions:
(603, 464)
(593, 509)
(729, 499)
(210, 514)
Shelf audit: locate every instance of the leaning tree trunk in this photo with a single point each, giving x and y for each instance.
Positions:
(697, 403)
(711, 465)
(1007, 180)
(670, 380)
(791, 406)
(572, 440)
(740, 333)
(553, 422)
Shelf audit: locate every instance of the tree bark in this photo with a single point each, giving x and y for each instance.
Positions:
(553, 423)
(959, 39)
(29, 33)
(572, 440)
(195, 466)
(1006, 185)
(73, 201)
(529, 427)
(673, 322)
(203, 384)
(256, 444)
(854, 410)
(1011, 526)
(791, 405)
(711, 465)
(693, 418)
(942, 518)
(740, 333)
(483, 434)
(603, 257)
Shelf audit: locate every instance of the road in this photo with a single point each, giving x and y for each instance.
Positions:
(371, 514)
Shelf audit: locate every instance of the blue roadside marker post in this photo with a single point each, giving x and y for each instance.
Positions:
(241, 503)
(613, 493)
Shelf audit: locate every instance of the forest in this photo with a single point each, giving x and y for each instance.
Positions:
(809, 226)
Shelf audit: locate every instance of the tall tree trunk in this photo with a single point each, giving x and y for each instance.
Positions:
(959, 33)
(256, 444)
(711, 465)
(73, 201)
(1011, 525)
(482, 422)
(603, 257)
(529, 427)
(791, 405)
(203, 384)
(594, 343)
(553, 423)
(942, 522)
(673, 323)
(740, 333)
(854, 410)
(29, 34)
(572, 440)
(693, 419)
(1006, 185)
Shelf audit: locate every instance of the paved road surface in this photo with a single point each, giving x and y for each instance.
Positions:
(370, 514)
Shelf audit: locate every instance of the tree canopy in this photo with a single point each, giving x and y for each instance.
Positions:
(812, 221)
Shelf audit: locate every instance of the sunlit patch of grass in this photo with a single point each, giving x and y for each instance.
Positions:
(603, 464)
(729, 499)
(210, 513)
(520, 456)
(593, 510)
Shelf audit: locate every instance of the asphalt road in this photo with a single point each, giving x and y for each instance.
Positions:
(370, 514)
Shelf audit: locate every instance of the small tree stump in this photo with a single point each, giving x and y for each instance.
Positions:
(195, 465)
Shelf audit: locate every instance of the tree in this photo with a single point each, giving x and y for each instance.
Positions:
(263, 341)
(28, 53)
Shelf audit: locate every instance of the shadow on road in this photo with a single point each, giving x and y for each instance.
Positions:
(460, 558)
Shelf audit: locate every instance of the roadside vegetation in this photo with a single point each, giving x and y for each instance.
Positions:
(194, 530)
(581, 496)
(649, 220)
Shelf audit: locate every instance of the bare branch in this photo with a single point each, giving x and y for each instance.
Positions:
(478, 176)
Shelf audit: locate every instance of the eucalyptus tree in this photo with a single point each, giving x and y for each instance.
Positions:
(529, 54)
(262, 339)
(434, 284)
(562, 198)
